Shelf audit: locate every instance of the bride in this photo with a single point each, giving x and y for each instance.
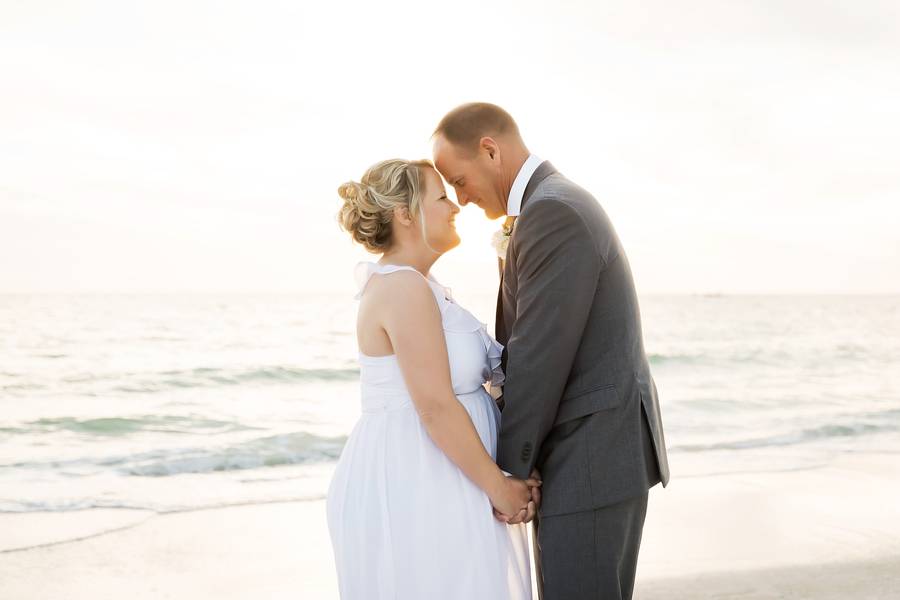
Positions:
(417, 506)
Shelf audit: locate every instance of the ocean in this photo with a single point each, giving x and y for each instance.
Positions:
(174, 403)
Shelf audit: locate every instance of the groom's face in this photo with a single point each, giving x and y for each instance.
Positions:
(473, 176)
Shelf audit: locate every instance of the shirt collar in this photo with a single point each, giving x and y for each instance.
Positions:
(514, 202)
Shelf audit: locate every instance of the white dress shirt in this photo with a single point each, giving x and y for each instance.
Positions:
(514, 202)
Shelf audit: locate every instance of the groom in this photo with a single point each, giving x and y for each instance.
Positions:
(579, 403)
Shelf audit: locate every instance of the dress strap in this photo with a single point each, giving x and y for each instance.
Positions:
(364, 271)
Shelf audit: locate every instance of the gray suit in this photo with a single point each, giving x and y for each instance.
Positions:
(579, 402)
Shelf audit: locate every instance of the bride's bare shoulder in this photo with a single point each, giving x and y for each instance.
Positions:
(397, 291)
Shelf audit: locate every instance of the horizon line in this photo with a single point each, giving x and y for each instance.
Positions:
(343, 291)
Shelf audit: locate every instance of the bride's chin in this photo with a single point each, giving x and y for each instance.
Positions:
(445, 245)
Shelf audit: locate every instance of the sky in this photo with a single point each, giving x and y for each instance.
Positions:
(739, 147)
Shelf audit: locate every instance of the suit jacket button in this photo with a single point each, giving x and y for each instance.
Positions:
(526, 451)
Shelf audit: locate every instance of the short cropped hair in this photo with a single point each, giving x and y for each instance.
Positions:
(465, 125)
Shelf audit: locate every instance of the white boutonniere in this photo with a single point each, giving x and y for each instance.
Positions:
(500, 240)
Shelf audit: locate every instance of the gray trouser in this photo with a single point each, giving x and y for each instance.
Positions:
(590, 554)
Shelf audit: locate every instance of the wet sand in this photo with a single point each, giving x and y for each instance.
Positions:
(831, 532)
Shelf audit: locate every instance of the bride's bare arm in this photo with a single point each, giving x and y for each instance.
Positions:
(412, 321)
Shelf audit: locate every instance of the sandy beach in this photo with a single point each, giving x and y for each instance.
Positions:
(830, 532)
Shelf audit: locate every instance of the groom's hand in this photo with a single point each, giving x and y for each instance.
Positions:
(536, 491)
(506, 518)
(517, 518)
(526, 515)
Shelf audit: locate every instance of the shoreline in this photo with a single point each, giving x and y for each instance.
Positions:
(826, 532)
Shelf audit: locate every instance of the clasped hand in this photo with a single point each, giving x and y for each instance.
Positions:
(519, 499)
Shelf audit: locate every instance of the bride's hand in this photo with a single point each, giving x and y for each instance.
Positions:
(512, 497)
(527, 515)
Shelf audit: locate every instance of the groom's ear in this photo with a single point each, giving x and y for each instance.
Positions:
(489, 145)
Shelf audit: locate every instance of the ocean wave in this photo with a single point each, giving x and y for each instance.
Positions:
(21, 387)
(661, 359)
(212, 376)
(79, 504)
(270, 451)
(887, 421)
(738, 356)
(113, 426)
(742, 355)
(161, 381)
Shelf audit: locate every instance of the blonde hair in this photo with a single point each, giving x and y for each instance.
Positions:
(368, 209)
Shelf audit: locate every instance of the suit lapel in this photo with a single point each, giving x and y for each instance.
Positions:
(499, 333)
(544, 170)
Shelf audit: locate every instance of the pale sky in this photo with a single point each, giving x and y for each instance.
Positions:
(739, 147)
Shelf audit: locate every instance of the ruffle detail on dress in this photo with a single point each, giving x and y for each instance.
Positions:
(494, 354)
(459, 320)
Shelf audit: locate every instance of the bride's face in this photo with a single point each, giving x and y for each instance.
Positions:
(439, 212)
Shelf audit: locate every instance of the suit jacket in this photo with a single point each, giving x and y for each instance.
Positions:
(579, 402)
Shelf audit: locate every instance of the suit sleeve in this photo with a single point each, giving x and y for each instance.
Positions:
(557, 268)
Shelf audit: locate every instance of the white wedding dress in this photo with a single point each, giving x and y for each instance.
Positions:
(405, 522)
